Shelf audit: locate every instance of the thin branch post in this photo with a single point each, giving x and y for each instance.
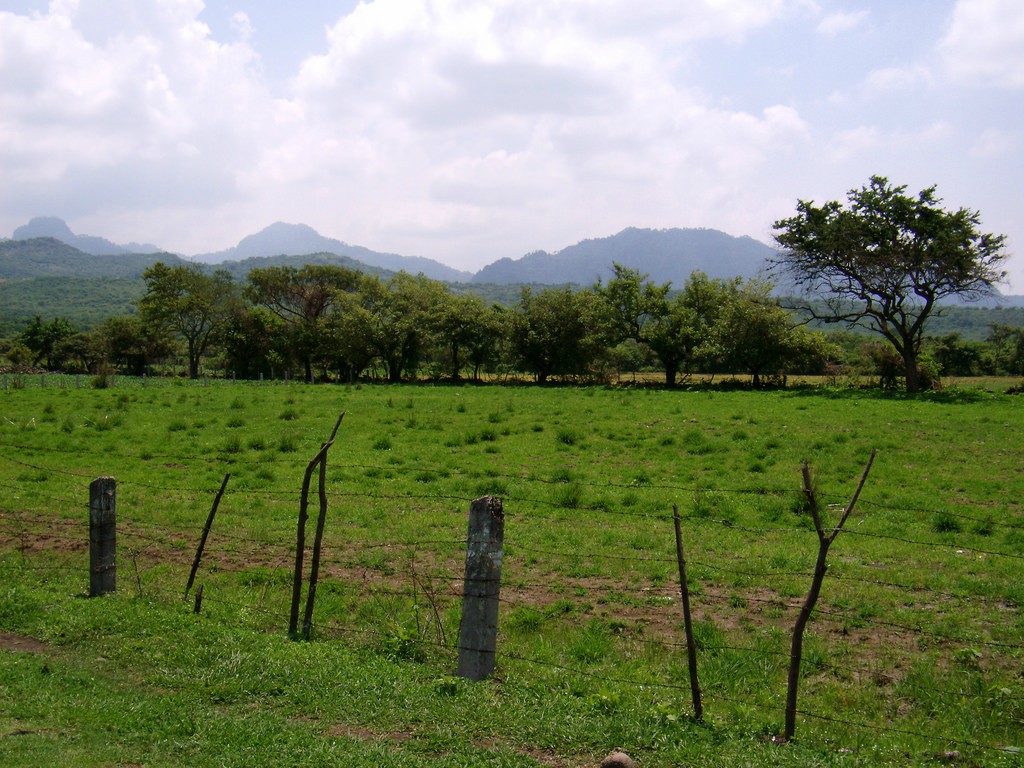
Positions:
(205, 534)
(691, 645)
(314, 563)
(199, 599)
(820, 567)
(300, 545)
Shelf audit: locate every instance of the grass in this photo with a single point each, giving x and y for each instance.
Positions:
(918, 638)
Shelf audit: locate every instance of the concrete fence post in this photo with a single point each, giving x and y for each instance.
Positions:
(102, 536)
(478, 634)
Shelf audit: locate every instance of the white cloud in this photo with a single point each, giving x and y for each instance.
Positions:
(95, 115)
(899, 78)
(474, 110)
(838, 23)
(464, 130)
(855, 142)
(984, 44)
(993, 143)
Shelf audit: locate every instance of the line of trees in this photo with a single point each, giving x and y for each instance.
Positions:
(325, 322)
(882, 262)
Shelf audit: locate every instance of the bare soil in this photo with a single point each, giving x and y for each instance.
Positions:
(10, 641)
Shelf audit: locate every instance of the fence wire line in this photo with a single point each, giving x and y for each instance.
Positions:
(445, 471)
(827, 614)
(175, 534)
(631, 681)
(182, 536)
(698, 519)
(161, 535)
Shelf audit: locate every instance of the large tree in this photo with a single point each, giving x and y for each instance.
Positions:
(752, 333)
(682, 337)
(556, 332)
(45, 341)
(393, 321)
(303, 298)
(885, 260)
(631, 303)
(468, 330)
(127, 343)
(191, 303)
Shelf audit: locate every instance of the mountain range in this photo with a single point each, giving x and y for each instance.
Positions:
(50, 271)
(665, 255)
(51, 226)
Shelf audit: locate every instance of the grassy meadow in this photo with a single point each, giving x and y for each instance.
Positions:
(914, 655)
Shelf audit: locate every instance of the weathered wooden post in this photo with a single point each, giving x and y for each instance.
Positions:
(102, 536)
(691, 645)
(478, 634)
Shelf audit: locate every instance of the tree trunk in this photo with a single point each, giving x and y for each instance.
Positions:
(671, 371)
(193, 359)
(455, 361)
(912, 374)
(394, 371)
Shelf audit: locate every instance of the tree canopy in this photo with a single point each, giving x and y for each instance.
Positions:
(189, 302)
(884, 261)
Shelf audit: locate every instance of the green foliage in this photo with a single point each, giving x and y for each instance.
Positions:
(189, 303)
(886, 260)
(84, 301)
(556, 333)
(322, 321)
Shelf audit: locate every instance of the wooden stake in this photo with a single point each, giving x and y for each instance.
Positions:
(691, 645)
(206, 532)
(314, 564)
(820, 566)
(300, 544)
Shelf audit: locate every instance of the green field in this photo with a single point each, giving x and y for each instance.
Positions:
(913, 656)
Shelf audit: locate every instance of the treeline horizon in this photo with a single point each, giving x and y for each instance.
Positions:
(332, 323)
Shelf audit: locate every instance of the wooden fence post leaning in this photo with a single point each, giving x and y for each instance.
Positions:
(102, 536)
(202, 538)
(478, 634)
(691, 645)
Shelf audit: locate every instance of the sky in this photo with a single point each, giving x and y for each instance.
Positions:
(471, 130)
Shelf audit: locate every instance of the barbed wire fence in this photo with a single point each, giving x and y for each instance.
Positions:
(391, 577)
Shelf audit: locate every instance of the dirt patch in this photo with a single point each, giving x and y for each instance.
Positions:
(21, 643)
(365, 734)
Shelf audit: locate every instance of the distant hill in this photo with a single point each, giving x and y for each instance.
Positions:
(239, 269)
(51, 226)
(282, 239)
(47, 277)
(49, 257)
(84, 301)
(666, 255)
